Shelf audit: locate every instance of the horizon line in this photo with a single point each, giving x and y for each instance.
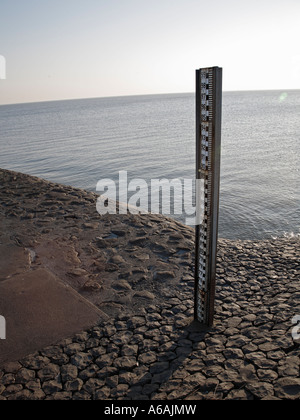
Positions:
(143, 94)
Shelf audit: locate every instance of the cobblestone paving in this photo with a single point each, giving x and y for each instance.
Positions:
(150, 348)
(160, 353)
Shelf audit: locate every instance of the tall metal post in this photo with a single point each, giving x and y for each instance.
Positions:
(208, 157)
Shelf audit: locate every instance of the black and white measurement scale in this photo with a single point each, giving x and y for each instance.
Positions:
(208, 157)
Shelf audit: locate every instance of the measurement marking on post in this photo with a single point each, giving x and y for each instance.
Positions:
(208, 150)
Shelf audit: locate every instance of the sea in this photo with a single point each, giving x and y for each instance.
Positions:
(79, 142)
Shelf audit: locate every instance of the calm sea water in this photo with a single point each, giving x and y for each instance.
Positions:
(79, 142)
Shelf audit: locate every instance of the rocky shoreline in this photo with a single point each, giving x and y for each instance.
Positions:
(138, 270)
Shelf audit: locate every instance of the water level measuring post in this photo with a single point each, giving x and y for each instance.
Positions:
(208, 158)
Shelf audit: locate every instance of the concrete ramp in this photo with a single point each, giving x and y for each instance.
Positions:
(39, 311)
(13, 260)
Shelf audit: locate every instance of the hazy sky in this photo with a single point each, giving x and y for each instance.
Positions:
(64, 49)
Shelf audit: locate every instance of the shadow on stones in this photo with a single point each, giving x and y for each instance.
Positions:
(174, 364)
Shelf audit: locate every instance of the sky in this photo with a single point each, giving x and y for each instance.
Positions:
(68, 49)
